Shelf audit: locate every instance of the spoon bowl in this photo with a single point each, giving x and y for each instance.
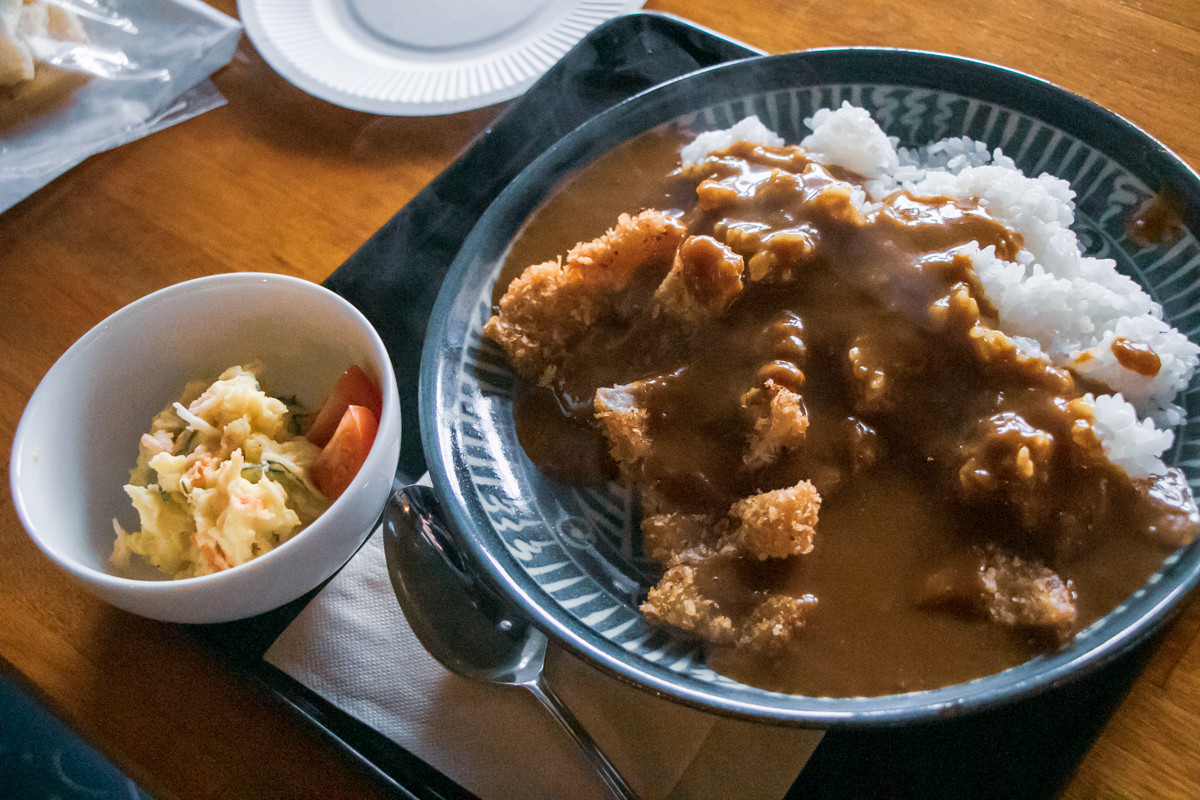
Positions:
(471, 629)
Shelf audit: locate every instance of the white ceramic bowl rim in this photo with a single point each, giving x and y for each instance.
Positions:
(100, 580)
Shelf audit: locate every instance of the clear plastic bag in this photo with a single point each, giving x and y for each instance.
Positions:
(145, 67)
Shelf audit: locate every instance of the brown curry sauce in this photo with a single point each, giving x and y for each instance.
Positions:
(880, 326)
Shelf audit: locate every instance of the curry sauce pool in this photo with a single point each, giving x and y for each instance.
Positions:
(868, 461)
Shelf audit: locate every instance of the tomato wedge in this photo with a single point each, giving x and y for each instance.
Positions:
(353, 388)
(333, 470)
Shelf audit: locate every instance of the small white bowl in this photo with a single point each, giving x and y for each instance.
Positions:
(78, 437)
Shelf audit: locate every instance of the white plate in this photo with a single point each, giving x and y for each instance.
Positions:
(415, 57)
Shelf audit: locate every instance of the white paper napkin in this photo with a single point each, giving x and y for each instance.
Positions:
(352, 646)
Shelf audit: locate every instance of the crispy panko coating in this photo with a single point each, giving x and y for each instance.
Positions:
(773, 524)
(676, 600)
(679, 538)
(551, 305)
(776, 524)
(623, 415)
(624, 422)
(1009, 589)
(704, 279)
(774, 623)
(1023, 593)
(779, 422)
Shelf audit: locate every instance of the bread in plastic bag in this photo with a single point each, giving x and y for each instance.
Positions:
(105, 72)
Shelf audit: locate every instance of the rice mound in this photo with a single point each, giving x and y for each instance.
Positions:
(749, 129)
(1053, 300)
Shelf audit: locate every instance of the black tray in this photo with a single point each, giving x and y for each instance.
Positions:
(1027, 750)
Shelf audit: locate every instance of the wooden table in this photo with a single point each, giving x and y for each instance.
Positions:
(279, 181)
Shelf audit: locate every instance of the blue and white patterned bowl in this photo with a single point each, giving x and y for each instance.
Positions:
(571, 558)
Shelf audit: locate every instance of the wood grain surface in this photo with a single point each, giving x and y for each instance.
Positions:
(279, 181)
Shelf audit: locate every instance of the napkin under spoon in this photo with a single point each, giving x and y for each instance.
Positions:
(465, 624)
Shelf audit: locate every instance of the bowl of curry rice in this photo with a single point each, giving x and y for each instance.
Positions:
(841, 387)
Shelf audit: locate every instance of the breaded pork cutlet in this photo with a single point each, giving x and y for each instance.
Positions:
(551, 305)
(1023, 593)
(549, 309)
(625, 423)
(679, 538)
(776, 524)
(705, 277)
(1009, 589)
(769, 525)
(677, 600)
(775, 418)
(779, 423)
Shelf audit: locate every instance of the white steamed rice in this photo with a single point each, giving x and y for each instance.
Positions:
(1053, 300)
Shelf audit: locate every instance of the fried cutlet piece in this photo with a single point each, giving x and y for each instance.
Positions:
(1015, 468)
(777, 523)
(1023, 593)
(779, 423)
(1059, 488)
(551, 305)
(1174, 523)
(676, 601)
(774, 524)
(776, 415)
(679, 538)
(774, 622)
(624, 418)
(705, 277)
(1007, 588)
(624, 421)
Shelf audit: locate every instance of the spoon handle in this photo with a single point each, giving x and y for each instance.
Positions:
(558, 709)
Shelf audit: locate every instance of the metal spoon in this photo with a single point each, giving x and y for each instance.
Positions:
(465, 624)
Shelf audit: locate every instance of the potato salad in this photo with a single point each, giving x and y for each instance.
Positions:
(223, 476)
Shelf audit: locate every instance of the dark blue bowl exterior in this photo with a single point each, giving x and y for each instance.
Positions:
(567, 558)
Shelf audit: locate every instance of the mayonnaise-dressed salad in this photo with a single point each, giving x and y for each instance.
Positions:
(226, 474)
